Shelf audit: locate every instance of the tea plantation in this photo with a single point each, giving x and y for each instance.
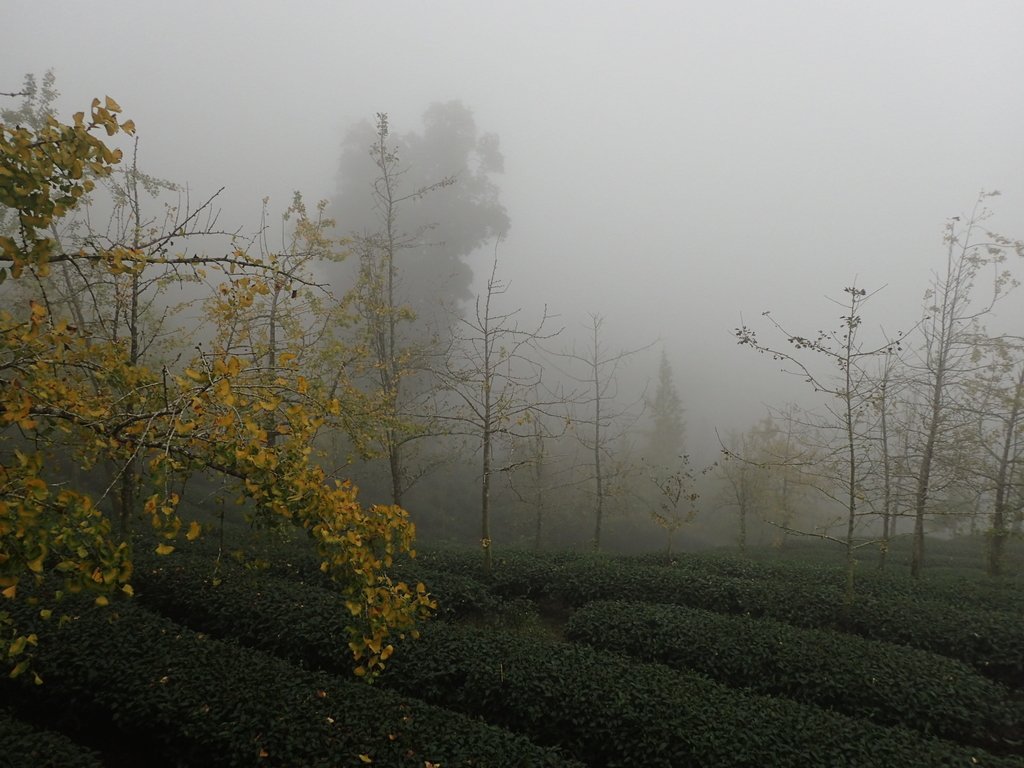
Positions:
(549, 660)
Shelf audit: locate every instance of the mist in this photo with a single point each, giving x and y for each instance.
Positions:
(675, 169)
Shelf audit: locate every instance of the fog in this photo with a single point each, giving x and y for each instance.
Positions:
(678, 168)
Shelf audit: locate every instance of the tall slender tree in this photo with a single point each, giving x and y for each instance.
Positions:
(950, 333)
(850, 388)
(393, 353)
(995, 435)
(436, 232)
(665, 414)
(744, 477)
(492, 372)
(600, 417)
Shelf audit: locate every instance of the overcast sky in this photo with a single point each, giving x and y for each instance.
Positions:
(672, 165)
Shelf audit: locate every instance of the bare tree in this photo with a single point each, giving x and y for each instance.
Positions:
(676, 503)
(540, 470)
(849, 389)
(391, 358)
(995, 437)
(745, 476)
(950, 334)
(492, 372)
(604, 421)
(884, 402)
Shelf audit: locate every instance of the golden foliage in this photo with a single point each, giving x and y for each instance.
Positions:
(222, 413)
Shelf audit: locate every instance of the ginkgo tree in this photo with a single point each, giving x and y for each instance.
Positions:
(491, 374)
(136, 303)
(59, 383)
(839, 435)
(390, 357)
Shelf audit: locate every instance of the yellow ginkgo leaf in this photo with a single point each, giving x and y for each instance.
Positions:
(194, 529)
(164, 549)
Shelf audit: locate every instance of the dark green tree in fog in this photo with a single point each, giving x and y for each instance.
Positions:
(665, 410)
(415, 207)
(441, 230)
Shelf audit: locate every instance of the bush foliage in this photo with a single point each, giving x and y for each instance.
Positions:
(991, 641)
(890, 684)
(200, 702)
(608, 710)
(22, 744)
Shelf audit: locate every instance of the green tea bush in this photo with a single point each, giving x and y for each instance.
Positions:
(302, 623)
(890, 684)
(990, 641)
(202, 702)
(962, 553)
(608, 710)
(513, 574)
(458, 595)
(954, 587)
(295, 620)
(186, 573)
(23, 745)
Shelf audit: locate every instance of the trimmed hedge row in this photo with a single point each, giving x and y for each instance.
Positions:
(890, 684)
(608, 710)
(954, 588)
(180, 587)
(514, 574)
(961, 553)
(990, 641)
(458, 596)
(22, 744)
(203, 702)
(295, 620)
(644, 717)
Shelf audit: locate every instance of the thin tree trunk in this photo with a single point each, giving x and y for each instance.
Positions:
(743, 527)
(887, 518)
(598, 480)
(487, 423)
(130, 472)
(485, 499)
(538, 485)
(271, 423)
(1000, 530)
(851, 451)
(923, 479)
(395, 469)
(740, 489)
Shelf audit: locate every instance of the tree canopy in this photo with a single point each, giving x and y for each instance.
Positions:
(66, 389)
(440, 230)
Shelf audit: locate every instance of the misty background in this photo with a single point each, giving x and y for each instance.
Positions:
(677, 168)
